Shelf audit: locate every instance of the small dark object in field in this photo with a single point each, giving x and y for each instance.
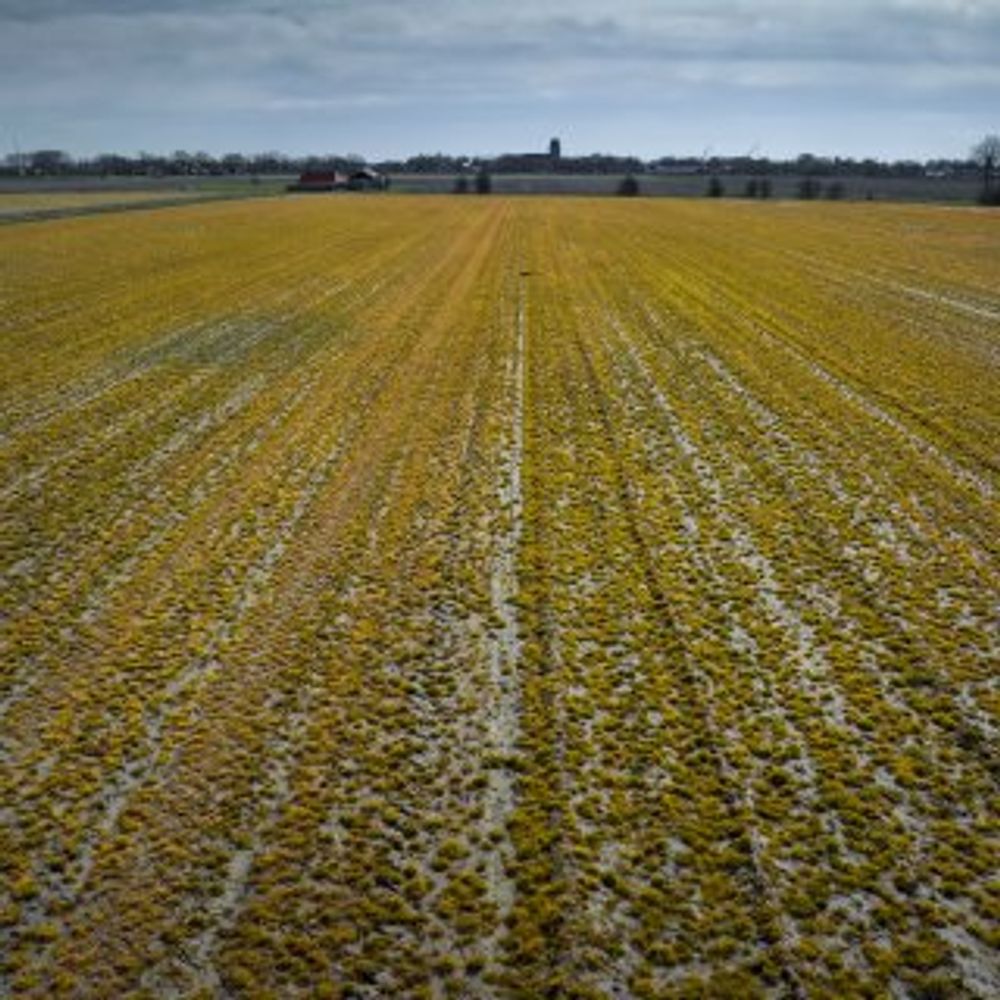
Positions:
(629, 186)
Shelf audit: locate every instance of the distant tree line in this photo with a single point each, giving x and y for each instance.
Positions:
(513, 163)
(809, 165)
(55, 162)
(984, 162)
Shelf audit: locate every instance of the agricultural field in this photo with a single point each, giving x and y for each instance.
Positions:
(39, 199)
(493, 597)
(14, 205)
(695, 185)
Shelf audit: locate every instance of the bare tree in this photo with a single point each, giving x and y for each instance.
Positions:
(809, 188)
(628, 186)
(986, 154)
(50, 161)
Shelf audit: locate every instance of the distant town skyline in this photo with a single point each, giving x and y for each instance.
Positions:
(891, 79)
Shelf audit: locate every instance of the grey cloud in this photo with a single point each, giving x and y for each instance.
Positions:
(48, 10)
(279, 56)
(851, 31)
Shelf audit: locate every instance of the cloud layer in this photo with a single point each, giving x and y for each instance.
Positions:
(649, 77)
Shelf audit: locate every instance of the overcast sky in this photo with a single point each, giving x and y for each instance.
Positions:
(889, 78)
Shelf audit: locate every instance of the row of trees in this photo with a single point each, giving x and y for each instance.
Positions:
(807, 188)
(630, 186)
(809, 165)
(984, 158)
(984, 161)
(56, 162)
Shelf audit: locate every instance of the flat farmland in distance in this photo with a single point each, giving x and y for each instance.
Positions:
(30, 203)
(40, 202)
(485, 597)
(851, 188)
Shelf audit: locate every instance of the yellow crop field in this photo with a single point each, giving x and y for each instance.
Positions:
(482, 597)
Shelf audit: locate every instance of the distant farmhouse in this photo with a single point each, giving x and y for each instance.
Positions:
(362, 179)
